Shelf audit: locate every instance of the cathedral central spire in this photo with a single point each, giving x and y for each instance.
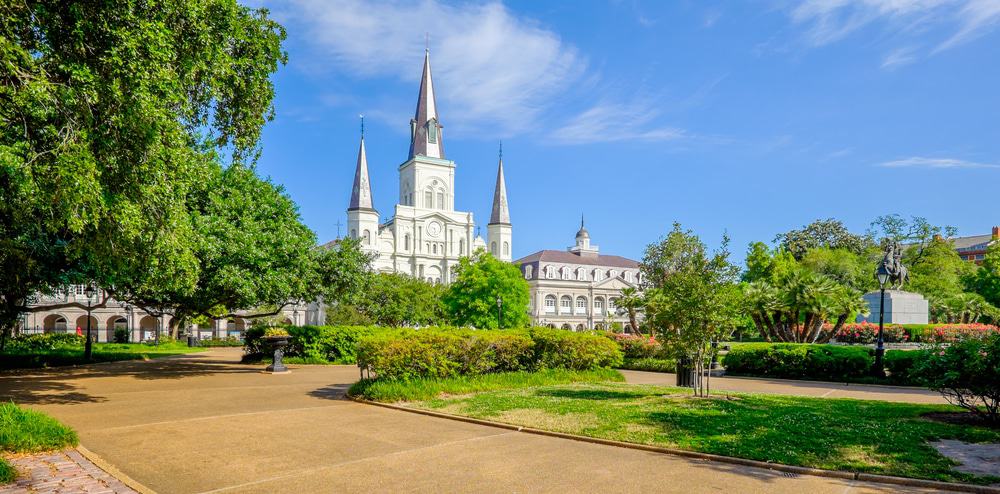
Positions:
(425, 128)
(501, 213)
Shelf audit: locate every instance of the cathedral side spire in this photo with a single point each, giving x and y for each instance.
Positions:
(425, 127)
(361, 194)
(501, 213)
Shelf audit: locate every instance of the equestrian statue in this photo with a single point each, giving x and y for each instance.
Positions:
(892, 260)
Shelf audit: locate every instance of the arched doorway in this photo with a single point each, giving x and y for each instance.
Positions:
(147, 328)
(116, 324)
(567, 326)
(580, 327)
(54, 323)
(81, 326)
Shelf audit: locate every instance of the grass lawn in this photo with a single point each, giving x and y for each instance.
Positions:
(102, 352)
(424, 389)
(837, 434)
(28, 431)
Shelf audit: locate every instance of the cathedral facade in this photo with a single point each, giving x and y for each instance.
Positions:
(425, 236)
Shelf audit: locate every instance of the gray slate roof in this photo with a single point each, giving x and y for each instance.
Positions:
(426, 111)
(564, 257)
(975, 241)
(501, 214)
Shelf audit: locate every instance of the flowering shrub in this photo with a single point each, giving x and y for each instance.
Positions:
(635, 346)
(950, 333)
(866, 332)
(966, 373)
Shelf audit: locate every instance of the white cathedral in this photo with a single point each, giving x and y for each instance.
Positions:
(425, 237)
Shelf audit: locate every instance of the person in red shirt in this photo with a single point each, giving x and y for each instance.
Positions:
(79, 332)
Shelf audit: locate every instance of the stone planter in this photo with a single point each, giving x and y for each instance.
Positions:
(278, 344)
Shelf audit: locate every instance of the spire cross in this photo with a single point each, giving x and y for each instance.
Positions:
(362, 125)
(501, 148)
(338, 227)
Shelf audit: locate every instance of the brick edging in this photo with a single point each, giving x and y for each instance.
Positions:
(818, 472)
(112, 471)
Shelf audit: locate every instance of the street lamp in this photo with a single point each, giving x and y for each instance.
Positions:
(499, 311)
(88, 346)
(128, 322)
(882, 275)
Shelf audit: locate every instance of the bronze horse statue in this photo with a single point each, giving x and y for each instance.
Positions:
(892, 260)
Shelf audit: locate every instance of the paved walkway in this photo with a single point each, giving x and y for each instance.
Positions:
(204, 424)
(801, 388)
(61, 472)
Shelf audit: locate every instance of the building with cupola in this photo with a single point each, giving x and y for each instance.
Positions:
(578, 288)
(424, 236)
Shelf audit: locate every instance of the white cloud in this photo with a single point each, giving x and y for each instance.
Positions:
(609, 122)
(491, 68)
(921, 162)
(828, 21)
(898, 58)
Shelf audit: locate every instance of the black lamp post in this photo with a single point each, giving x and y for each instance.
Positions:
(882, 275)
(128, 322)
(88, 346)
(499, 311)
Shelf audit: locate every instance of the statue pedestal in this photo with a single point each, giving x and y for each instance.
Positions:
(900, 307)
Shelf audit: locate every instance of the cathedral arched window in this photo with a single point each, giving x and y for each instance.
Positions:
(441, 200)
(581, 305)
(354, 233)
(598, 305)
(435, 248)
(428, 199)
(493, 248)
(550, 304)
(432, 131)
(368, 237)
(506, 248)
(566, 304)
(461, 246)
(406, 242)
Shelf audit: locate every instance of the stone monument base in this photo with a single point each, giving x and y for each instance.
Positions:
(900, 307)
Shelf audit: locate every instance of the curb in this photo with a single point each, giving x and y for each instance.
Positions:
(114, 472)
(817, 472)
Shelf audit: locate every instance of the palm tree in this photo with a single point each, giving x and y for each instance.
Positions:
(631, 302)
(796, 310)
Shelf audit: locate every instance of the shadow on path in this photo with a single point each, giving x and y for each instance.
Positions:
(56, 385)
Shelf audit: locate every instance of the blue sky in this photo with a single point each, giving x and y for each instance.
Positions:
(750, 118)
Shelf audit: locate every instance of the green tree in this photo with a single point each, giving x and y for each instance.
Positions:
(794, 308)
(986, 280)
(631, 302)
(111, 114)
(935, 268)
(693, 296)
(253, 252)
(829, 233)
(471, 299)
(843, 266)
(392, 299)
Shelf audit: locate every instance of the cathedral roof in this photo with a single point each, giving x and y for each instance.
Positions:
(361, 194)
(426, 139)
(564, 257)
(501, 214)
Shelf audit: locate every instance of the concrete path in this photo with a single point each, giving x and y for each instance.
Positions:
(202, 423)
(815, 389)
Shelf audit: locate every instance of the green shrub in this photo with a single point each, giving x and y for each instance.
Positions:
(900, 364)
(966, 373)
(438, 353)
(329, 344)
(121, 335)
(228, 341)
(800, 361)
(650, 364)
(7, 472)
(46, 341)
(561, 349)
(635, 346)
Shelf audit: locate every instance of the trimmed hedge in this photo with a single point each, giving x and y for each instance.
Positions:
(46, 341)
(439, 353)
(901, 363)
(330, 344)
(800, 361)
(650, 364)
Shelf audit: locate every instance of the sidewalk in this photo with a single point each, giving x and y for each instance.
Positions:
(61, 472)
(816, 389)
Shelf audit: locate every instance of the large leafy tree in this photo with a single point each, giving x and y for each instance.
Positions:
(252, 252)
(829, 233)
(111, 116)
(986, 281)
(693, 296)
(391, 299)
(845, 267)
(471, 299)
